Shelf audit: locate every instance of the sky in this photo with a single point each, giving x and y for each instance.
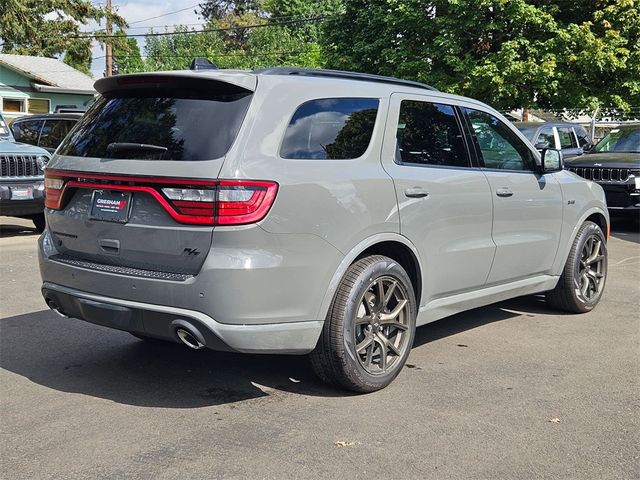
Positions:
(136, 10)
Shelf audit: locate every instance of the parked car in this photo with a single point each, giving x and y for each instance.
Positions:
(21, 178)
(46, 131)
(614, 163)
(302, 211)
(571, 138)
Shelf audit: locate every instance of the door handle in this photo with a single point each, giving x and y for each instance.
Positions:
(416, 192)
(109, 246)
(504, 192)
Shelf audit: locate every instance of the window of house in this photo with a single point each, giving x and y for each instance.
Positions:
(12, 105)
(330, 128)
(39, 105)
(499, 145)
(429, 134)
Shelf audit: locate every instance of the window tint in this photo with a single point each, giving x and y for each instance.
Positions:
(332, 128)
(54, 132)
(429, 134)
(159, 124)
(27, 131)
(567, 140)
(546, 137)
(583, 136)
(500, 147)
(620, 140)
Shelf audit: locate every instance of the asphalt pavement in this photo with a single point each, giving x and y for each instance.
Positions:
(513, 390)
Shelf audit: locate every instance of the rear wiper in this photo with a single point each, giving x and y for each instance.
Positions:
(123, 146)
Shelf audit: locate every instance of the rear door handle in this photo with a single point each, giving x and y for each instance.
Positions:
(416, 192)
(504, 192)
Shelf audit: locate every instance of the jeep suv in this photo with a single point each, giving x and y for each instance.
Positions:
(21, 178)
(307, 211)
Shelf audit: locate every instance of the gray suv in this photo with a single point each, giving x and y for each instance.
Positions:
(307, 211)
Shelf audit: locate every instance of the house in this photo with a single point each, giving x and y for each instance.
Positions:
(37, 85)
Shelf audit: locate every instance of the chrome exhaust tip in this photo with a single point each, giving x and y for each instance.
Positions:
(56, 308)
(189, 339)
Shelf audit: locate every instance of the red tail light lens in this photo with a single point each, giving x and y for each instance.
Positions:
(197, 202)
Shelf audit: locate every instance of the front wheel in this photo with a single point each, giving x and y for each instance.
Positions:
(582, 281)
(370, 327)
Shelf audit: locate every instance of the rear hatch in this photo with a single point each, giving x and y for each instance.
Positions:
(133, 188)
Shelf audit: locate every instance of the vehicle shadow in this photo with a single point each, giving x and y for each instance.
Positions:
(627, 229)
(14, 230)
(69, 355)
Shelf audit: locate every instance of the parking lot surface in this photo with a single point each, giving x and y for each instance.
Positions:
(513, 390)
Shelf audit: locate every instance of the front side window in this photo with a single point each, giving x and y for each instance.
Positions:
(499, 145)
(27, 131)
(330, 128)
(54, 132)
(546, 138)
(429, 134)
(567, 140)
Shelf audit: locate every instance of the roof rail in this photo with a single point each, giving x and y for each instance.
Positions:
(319, 72)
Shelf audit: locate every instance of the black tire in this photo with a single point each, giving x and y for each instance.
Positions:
(568, 294)
(335, 359)
(39, 222)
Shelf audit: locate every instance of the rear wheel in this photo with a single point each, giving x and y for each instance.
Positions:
(582, 281)
(370, 327)
(39, 222)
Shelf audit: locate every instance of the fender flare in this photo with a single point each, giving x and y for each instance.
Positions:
(352, 255)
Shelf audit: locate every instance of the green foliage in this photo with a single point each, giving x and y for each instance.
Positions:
(50, 28)
(510, 53)
(126, 54)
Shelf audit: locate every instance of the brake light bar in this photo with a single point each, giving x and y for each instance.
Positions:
(196, 202)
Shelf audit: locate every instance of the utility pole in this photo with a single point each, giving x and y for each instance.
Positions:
(107, 43)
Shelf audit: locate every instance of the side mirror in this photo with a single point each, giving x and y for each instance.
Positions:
(551, 160)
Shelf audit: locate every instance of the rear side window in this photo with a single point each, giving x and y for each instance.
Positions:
(159, 124)
(567, 139)
(330, 128)
(27, 131)
(429, 134)
(583, 137)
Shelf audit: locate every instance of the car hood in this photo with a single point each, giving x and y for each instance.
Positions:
(14, 148)
(608, 160)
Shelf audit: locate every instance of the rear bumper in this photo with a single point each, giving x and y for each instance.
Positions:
(159, 321)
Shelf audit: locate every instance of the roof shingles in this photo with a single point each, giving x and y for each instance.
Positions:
(49, 71)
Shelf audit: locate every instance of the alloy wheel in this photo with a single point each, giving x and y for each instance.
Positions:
(592, 268)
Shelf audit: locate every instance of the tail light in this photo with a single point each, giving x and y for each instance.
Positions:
(196, 202)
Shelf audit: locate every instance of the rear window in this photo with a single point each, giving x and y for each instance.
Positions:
(172, 124)
(330, 128)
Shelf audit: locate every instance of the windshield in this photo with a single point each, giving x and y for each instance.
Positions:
(171, 124)
(626, 139)
(5, 133)
(528, 132)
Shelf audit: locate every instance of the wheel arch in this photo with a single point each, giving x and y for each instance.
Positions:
(391, 245)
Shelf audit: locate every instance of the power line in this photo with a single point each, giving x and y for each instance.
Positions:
(164, 14)
(98, 36)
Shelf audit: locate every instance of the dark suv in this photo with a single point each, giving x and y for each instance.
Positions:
(614, 163)
(571, 138)
(46, 131)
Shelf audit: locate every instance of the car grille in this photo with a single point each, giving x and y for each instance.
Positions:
(19, 166)
(602, 174)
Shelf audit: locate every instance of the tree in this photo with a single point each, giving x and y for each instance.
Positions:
(511, 54)
(126, 55)
(50, 28)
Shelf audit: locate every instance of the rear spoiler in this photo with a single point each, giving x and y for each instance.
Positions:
(204, 79)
